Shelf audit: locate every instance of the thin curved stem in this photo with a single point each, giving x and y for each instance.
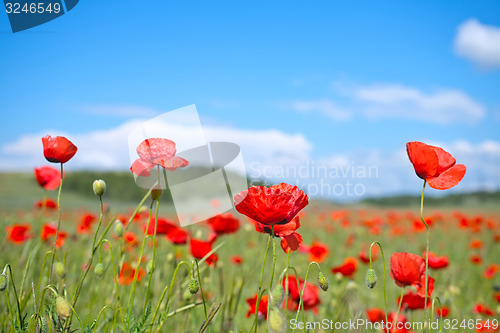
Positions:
(255, 321)
(201, 292)
(399, 308)
(15, 294)
(58, 223)
(383, 261)
(301, 301)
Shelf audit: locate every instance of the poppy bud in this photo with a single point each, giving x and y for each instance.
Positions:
(193, 286)
(187, 295)
(62, 307)
(277, 295)
(150, 267)
(4, 281)
(99, 269)
(99, 187)
(156, 193)
(323, 281)
(371, 278)
(275, 321)
(60, 270)
(118, 228)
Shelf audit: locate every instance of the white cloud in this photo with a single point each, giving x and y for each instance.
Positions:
(479, 43)
(324, 106)
(398, 101)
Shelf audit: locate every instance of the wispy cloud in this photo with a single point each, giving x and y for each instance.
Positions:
(479, 43)
(325, 107)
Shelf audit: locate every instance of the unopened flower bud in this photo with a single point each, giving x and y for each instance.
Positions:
(118, 228)
(275, 321)
(60, 270)
(371, 278)
(150, 267)
(99, 187)
(99, 269)
(277, 295)
(4, 281)
(62, 307)
(323, 281)
(156, 193)
(187, 295)
(193, 286)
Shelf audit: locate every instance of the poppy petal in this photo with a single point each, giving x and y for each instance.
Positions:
(171, 163)
(141, 167)
(424, 159)
(155, 148)
(291, 242)
(445, 159)
(448, 178)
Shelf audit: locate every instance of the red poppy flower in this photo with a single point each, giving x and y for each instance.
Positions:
(318, 252)
(407, 268)
(290, 239)
(47, 203)
(236, 259)
(476, 259)
(130, 239)
(252, 301)
(348, 268)
(49, 230)
(18, 233)
(58, 149)
(445, 310)
(375, 315)
(480, 308)
(48, 177)
(435, 165)
(156, 151)
(199, 249)
(437, 262)
(163, 226)
(127, 272)
(277, 204)
(310, 299)
(476, 244)
(224, 224)
(413, 301)
(497, 297)
(491, 271)
(487, 326)
(177, 236)
(85, 223)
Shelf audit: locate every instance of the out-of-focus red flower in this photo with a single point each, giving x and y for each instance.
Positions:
(400, 323)
(177, 236)
(236, 259)
(444, 309)
(290, 239)
(435, 165)
(418, 226)
(348, 268)
(375, 315)
(58, 149)
(310, 298)
(18, 233)
(491, 271)
(486, 326)
(476, 259)
(480, 308)
(130, 239)
(48, 177)
(277, 204)
(156, 151)
(437, 262)
(252, 301)
(223, 224)
(318, 252)
(199, 249)
(47, 203)
(497, 297)
(85, 223)
(49, 230)
(364, 255)
(127, 273)
(413, 301)
(476, 244)
(163, 227)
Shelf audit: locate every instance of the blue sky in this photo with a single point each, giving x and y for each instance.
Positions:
(354, 81)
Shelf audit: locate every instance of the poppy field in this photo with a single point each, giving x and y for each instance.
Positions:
(280, 261)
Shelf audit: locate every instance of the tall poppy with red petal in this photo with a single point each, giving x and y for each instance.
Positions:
(290, 239)
(262, 306)
(408, 269)
(156, 151)
(199, 249)
(348, 268)
(435, 165)
(18, 233)
(277, 204)
(48, 177)
(58, 149)
(310, 298)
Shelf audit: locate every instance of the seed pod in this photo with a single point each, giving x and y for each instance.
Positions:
(60, 270)
(118, 228)
(193, 286)
(156, 193)
(323, 281)
(277, 295)
(4, 281)
(62, 307)
(371, 278)
(275, 321)
(99, 187)
(99, 269)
